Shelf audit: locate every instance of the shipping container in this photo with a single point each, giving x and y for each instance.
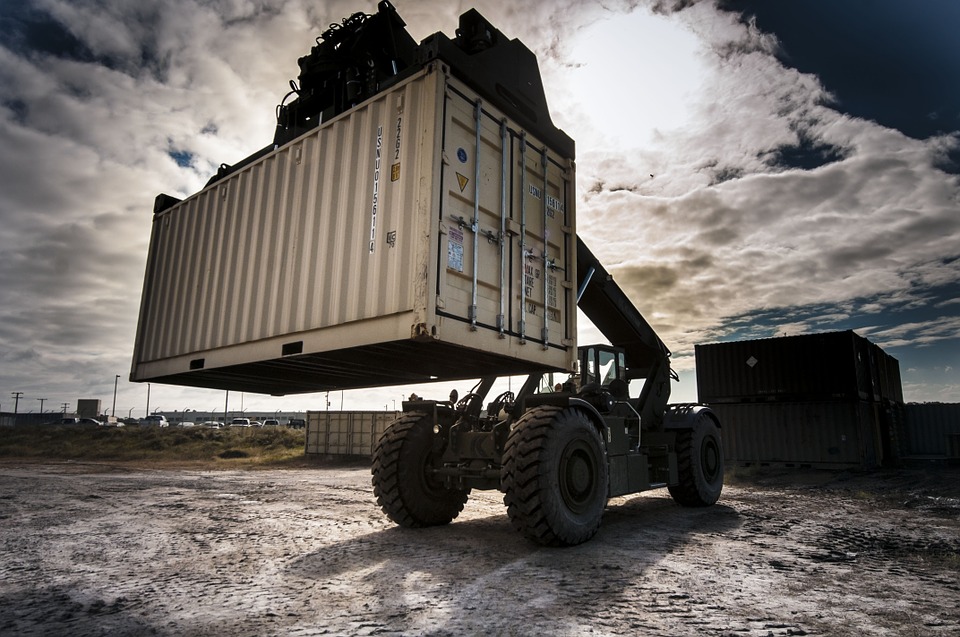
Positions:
(825, 434)
(929, 428)
(89, 408)
(421, 235)
(346, 433)
(817, 367)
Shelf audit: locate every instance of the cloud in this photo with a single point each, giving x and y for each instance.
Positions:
(719, 186)
(864, 223)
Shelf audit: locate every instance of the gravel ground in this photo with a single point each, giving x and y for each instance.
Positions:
(94, 549)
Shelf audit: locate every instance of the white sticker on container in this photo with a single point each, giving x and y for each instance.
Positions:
(455, 250)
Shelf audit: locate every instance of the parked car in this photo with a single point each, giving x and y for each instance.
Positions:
(213, 424)
(240, 422)
(270, 422)
(297, 423)
(186, 423)
(80, 421)
(158, 420)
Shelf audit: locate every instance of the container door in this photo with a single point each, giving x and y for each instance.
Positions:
(507, 255)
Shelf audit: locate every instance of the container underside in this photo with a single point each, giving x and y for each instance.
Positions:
(393, 363)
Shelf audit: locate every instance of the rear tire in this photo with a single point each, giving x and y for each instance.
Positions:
(405, 490)
(700, 464)
(554, 476)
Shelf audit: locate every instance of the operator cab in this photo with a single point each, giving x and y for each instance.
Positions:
(603, 370)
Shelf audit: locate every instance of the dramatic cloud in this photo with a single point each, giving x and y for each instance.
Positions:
(729, 193)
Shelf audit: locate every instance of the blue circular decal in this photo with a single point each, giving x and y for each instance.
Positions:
(462, 155)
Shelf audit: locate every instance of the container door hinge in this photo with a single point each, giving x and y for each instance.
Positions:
(472, 316)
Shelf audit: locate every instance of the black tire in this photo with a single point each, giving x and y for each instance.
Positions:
(554, 476)
(405, 491)
(699, 464)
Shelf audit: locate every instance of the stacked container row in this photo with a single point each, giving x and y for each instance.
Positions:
(827, 400)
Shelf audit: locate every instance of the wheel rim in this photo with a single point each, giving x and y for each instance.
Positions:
(428, 481)
(578, 471)
(710, 459)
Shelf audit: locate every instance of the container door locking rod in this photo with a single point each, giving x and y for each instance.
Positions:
(545, 334)
(475, 226)
(523, 238)
(503, 222)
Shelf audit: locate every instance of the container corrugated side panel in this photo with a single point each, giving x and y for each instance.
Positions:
(353, 433)
(835, 433)
(316, 433)
(250, 259)
(928, 426)
(361, 440)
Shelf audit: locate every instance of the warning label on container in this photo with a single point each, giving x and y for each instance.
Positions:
(455, 250)
(463, 181)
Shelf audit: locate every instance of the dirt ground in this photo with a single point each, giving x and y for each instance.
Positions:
(96, 549)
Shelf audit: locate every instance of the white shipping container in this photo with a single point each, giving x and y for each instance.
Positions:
(350, 433)
(418, 236)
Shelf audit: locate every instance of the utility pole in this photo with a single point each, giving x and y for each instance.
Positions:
(115, 380)
(41, 404)
(64, 406)
(16, 403)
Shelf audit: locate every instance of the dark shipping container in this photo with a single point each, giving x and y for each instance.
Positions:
(815, 367)
(929, 428)
(824, 434)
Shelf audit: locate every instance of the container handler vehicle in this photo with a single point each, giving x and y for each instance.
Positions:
(557, 450)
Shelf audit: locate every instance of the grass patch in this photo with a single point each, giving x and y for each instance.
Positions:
(229, 446)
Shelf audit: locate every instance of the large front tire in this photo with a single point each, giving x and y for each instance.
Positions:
(699, 464)
(405, 489)
(554, 476)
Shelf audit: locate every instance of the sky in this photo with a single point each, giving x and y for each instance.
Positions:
(746, 169)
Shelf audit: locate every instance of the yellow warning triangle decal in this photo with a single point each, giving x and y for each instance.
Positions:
(462, 181)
